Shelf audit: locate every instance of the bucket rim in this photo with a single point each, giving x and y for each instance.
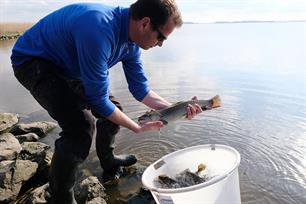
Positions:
(197, 186)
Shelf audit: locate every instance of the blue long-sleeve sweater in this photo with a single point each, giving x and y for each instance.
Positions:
(85, 40)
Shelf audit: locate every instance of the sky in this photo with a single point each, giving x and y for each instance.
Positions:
(198, 11)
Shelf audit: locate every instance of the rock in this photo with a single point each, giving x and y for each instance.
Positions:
(144, 196)
(97, 200)
(37, 152)
(9, 147)
(33, 151)
(39, 195)
(89, 189)
(45, 162)
(7, 120)
(29, 137)
(131, 174)
(12, 175)
(39, 128)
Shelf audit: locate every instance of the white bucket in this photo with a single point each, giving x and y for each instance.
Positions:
(221, 162)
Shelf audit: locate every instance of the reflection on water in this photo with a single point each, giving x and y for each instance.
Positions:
(259, 72)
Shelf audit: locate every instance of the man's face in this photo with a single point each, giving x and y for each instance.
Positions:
(152, 37)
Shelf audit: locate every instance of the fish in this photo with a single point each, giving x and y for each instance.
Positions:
(178, 110)
(167, 182)
(183, 179)
(188, 178)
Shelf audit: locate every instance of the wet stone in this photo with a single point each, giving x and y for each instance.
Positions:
(9, 147)
(89, 189)
(7, 121)
(39, 195)
(13, 175)
(29, 137)
(39, 128)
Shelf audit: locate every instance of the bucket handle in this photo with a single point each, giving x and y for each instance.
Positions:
(159, 164)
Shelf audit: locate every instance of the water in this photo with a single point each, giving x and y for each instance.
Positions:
(259, 71)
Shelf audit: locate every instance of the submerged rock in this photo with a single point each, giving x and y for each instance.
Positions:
(144, 196)
(12, 175)
(9, 147)
(39, 128)
(90, 189)
(7, 121)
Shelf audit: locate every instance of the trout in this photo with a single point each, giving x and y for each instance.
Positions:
(178, 110)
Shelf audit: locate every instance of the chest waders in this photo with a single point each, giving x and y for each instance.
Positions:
(65, 104)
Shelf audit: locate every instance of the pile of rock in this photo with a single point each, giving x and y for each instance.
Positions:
(23, 158)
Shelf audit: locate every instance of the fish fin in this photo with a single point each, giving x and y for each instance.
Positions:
(153, 111)
(177, 103)
(174, 104)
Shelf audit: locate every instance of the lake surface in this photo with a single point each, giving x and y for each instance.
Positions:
(259, 71)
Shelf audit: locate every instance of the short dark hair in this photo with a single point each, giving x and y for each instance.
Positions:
(159, 11)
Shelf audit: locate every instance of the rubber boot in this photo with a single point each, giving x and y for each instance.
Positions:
(62, 179)
(105, 139)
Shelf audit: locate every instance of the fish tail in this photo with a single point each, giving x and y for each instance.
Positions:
(216, 101)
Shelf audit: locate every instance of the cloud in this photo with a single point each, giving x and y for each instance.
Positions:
(192, 10)
(239, 10)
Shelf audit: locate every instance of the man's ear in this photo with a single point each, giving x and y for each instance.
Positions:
(145, 23)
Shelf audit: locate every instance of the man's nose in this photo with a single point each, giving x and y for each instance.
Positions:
(160, 43)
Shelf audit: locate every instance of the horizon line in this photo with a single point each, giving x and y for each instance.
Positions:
(190, 22)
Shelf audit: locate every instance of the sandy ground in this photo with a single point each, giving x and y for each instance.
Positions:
(6, 28)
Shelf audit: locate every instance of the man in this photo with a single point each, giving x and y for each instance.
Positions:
(63, 61)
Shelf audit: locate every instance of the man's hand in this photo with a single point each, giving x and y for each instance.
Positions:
(193, 109)
(150, 126)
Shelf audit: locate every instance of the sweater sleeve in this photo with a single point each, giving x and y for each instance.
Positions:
(134, 73)
(93, 41)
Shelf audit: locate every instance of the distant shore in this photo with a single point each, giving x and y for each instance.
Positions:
(13, 30)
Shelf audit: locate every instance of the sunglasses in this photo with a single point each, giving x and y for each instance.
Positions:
(161, 37)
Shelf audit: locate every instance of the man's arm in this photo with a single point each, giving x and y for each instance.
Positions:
(122, 119)
(154, 101)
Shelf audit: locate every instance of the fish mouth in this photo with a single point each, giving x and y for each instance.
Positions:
(164, 121)
(143, 119)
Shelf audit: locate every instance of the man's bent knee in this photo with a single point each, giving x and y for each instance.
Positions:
(76, 136)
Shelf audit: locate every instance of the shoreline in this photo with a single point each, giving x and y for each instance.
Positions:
(10, 31)
(9, 36)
